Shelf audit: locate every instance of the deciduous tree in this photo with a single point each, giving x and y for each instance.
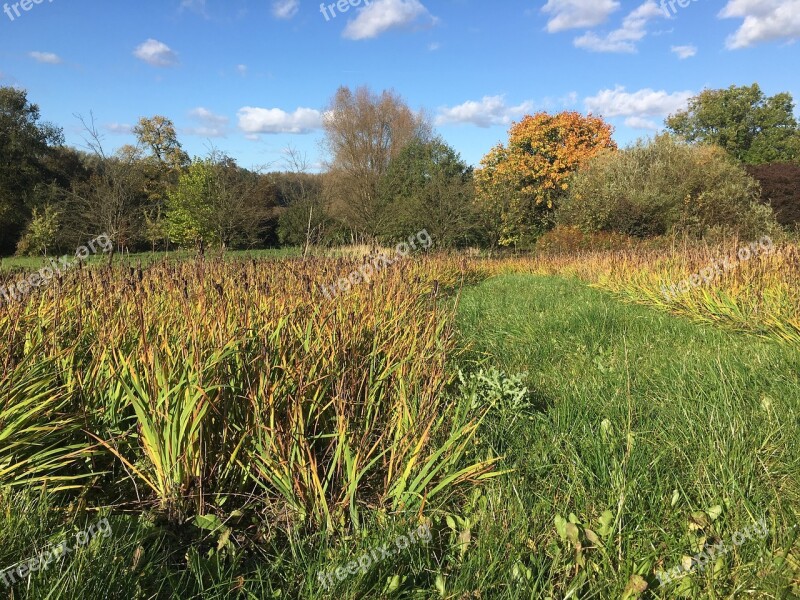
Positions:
(744, 121)
(520, 183)
(215, 202)
(157, 135)
(429, 187)
(25, 144)
(363, 133)
(666, 186)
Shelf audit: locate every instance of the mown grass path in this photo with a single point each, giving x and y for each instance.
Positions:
(686, 434)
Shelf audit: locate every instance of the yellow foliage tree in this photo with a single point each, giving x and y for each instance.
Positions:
(519, 184)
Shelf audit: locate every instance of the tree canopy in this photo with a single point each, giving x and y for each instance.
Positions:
(388, 174)
(752, 127)
(666, 186)
(520, 183)
(428, 186)
(216, 202)
(26, 146)
(364, 131)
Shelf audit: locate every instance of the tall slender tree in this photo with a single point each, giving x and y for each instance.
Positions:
(364, 131)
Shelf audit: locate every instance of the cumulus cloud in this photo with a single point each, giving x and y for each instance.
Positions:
(684, 52)
(578, 14)
(382, 15)
(253, 120)
(644, 103)
(491, 110)
(156, 53)
(624, 39)
(763, 21)
(46, 57)
(642, 123)
(285, 9)
(207, 124)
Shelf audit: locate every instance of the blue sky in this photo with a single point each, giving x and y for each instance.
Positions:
(252, 77)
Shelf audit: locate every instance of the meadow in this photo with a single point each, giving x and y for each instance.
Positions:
(559, 427)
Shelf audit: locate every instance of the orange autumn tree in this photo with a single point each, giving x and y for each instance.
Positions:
(519, 185)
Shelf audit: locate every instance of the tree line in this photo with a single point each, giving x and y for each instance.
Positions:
(387, 172)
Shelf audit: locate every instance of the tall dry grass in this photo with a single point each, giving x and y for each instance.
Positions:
(200, 386)
(205, 384)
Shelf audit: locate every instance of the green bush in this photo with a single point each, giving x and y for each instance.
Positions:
(40, 234)
(665, 186)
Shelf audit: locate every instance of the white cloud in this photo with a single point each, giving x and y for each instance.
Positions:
(208, 123)
(578, 14)
(382, 15)
(119, 128)
(684, 52)
(253, 120)
(241, 70)
(624, 39)
(285, 9)
(642, 123)
(491, 110)
(570, 99)
(764, 21)
(644, 103)
(156, 53)
(46, 57)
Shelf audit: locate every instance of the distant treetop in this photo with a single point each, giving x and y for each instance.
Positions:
(752, 127)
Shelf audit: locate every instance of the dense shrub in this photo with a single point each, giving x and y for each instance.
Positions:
(664, 186)
(428, 186)
(780, 188)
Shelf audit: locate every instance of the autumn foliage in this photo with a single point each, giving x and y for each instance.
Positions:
(519, 184)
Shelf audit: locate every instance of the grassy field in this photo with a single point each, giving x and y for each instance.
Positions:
(658, 421)
(26, 264)
(245, 437)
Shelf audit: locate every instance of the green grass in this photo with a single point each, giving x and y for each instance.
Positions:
(632, 413)
(29, 264)
(635, 408)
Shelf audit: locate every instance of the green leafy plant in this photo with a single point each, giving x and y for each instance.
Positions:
(39, 436)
